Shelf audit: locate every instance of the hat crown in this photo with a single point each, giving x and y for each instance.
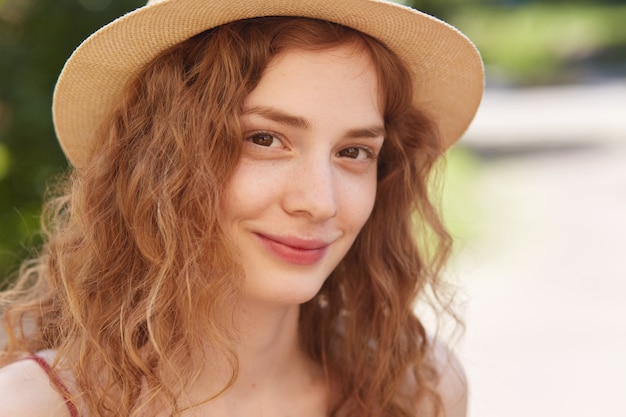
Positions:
(150, 2)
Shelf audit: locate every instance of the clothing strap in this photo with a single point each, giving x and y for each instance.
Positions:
(56, 382)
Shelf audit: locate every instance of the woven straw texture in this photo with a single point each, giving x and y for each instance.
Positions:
(447, 67)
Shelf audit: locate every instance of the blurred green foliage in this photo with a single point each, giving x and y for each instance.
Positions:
(36, 37)
(548, 43)
(459, 200)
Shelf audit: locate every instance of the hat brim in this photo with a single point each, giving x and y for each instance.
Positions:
(447, 68)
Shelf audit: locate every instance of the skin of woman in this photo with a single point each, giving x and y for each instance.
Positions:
(238, 238)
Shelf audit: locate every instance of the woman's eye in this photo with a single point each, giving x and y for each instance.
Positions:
(264, 139)
(355, 152)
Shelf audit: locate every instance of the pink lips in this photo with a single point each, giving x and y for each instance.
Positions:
(294, 250)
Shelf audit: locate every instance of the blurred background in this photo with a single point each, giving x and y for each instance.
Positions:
(536, 191)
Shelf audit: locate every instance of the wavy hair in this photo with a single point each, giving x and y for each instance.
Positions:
(134, 246)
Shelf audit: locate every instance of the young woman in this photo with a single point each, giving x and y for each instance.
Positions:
(248, 220)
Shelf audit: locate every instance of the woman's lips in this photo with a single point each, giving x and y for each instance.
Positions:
(294, 250)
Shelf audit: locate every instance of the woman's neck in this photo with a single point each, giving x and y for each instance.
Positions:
(270, 346)
(274, 371)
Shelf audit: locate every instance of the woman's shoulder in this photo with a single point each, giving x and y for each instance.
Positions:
(452, 386)
(26, 391)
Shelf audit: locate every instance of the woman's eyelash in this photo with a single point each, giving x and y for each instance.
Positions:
(265, 139)
(353, 151)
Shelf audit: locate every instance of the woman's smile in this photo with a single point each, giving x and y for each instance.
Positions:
(294, 250)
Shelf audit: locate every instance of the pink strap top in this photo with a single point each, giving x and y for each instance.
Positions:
(56, 382)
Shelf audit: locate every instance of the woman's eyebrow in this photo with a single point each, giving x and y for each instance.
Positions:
(366, 132)
(279, 116)
(299, 122)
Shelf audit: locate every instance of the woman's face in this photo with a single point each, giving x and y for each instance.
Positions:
(306, 182)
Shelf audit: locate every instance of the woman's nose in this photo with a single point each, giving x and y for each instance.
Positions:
(312, 190)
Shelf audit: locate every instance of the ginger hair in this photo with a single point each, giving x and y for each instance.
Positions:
(136, 273)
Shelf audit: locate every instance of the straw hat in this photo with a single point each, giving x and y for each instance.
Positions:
(447, 67)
